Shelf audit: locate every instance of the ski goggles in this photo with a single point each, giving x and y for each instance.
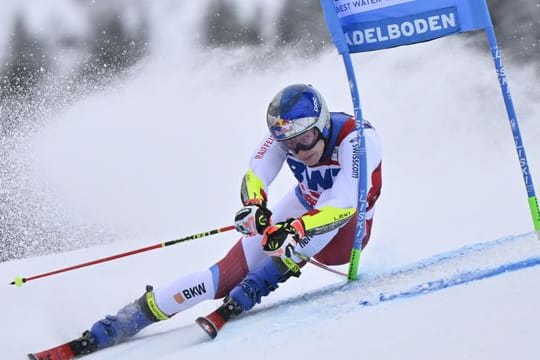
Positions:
(282, 129)
(305, 141)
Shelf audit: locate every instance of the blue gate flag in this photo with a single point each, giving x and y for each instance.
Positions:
(379, 24)
(367, 25)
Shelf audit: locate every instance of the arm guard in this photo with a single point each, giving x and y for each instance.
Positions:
(327, 218)
(252, 190)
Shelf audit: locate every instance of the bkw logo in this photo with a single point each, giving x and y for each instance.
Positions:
(194, 291)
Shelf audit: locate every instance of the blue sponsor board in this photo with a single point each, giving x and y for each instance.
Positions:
(405, 30)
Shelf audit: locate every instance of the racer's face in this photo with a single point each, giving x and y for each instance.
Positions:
(312, 156)
(308, 146)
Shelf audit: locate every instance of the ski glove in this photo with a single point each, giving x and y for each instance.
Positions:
(252, 219)
(280, 239)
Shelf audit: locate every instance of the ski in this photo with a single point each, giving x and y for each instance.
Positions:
(61, 352)
(213, 322)
(70, 350)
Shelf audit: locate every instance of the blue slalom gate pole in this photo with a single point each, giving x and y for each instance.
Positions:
(338, 37)
(364, 26)
(514, 125)
(361, 162)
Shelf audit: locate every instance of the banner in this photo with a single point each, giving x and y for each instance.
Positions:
(370, 25)
(367, 25)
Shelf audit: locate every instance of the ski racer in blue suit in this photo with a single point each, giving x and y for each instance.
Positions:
(315, 219)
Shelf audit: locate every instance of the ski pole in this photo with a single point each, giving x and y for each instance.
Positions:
(318, 264)
(19, 281)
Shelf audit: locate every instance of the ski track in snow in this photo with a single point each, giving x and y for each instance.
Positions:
(470, 263)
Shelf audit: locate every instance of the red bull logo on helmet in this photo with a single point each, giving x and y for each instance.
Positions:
(282, 128)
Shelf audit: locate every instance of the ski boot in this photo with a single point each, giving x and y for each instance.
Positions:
(129, 320)
(249, 292)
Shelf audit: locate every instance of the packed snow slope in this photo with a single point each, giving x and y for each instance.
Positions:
(161, 155)
(314, 316)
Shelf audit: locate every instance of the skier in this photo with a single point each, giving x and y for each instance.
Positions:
(316, 219)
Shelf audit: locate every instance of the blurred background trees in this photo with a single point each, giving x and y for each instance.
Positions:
(41, 69)
(114, 42)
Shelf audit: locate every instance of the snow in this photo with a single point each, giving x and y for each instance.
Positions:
(161, 155)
